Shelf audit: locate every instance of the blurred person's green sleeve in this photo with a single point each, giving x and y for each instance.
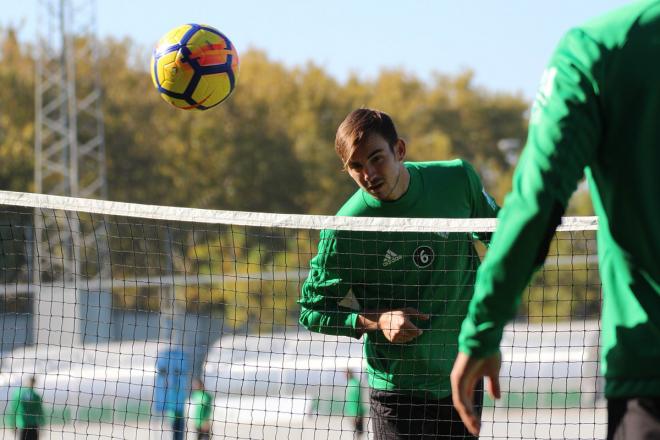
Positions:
(207, 407)
(42, 416)
(12, 410)
(565, 131)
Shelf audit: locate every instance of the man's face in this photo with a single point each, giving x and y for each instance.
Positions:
(377, 169)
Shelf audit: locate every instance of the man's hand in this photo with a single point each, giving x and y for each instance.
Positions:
(466, 373)
(397, 327)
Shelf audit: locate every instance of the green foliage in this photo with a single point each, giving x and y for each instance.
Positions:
(257, 277)
(569, 285)
(16, 113)
(270, 147)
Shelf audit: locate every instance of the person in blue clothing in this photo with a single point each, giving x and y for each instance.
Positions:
(172, 387)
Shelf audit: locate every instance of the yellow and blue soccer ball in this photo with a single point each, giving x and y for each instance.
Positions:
(194, 66)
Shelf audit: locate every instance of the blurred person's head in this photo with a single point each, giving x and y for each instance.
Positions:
(197, 384)
(30, 381)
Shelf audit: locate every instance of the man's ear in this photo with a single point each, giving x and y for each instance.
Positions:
(400, 150)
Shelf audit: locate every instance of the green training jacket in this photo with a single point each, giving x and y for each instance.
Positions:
(25, 409)
(201, 407)
(597, 112)
(431, 272)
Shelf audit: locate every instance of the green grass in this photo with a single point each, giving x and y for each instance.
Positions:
(536, 400)
(122, 412)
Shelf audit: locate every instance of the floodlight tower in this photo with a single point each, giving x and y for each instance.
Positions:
(69, 151)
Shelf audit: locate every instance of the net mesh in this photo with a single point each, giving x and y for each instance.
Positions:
(116, 310)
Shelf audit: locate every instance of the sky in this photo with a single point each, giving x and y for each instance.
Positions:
(506, 43)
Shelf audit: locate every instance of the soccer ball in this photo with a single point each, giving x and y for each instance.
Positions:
(194, 67)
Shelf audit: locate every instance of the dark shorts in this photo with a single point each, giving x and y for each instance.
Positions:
(359, 425)
(633, 419)
(401, 416)
(178, 427)
(28, 434)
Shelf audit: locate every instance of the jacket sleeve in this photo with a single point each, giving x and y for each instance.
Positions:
(42, 415)
(565, 130)
(325, 286)
(12, 410)
(483, 205)
(207, 406)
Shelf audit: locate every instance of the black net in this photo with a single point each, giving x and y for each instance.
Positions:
(131, 326)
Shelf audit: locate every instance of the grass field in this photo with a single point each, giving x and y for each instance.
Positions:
(511, 424)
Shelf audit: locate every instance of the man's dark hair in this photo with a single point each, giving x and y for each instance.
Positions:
(358, 126)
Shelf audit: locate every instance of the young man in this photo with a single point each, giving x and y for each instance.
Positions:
(201, 409)
(412, 288)
(598, 107)
(25, 412)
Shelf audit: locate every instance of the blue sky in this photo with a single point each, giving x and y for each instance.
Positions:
(506, 42)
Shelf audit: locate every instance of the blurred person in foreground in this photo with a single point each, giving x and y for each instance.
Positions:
(25, 413)
(410, 291)
(201, 409)
(597, 113)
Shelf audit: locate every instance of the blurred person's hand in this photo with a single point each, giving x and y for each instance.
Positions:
(465, 375)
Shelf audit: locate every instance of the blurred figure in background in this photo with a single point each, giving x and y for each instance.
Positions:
(25, 412)
(201, 409)
(172, 389)
(353, 406)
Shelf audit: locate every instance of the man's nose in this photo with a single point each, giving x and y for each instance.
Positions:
(369, 172)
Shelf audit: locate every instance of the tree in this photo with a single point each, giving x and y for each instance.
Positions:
(16, 113)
